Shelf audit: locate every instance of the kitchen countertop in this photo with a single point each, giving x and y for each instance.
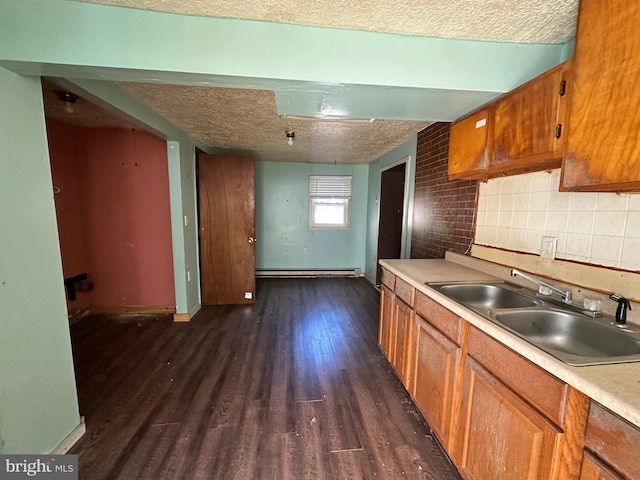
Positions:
(616, 386)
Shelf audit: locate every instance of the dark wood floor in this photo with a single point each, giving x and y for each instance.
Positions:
(293, 387)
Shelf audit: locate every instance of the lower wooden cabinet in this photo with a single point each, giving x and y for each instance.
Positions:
(386, 325)
(497, 414)
(499, 435)
(612, 446)
(401, 358)
(516, 420)
(593, 469)
(436, 364)
(395, 331)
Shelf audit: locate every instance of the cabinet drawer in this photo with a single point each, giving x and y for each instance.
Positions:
(447, 322)
(592, 469)
(405, 292)
(614, 440)
(544, 391)
(388, 278)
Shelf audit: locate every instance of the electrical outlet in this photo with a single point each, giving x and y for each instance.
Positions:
(548, 248)
(305, 251)
(248, 295)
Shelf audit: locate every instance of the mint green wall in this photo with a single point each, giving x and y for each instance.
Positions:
(38, 400)
(282, 219)
(407, 149)
(395, 76)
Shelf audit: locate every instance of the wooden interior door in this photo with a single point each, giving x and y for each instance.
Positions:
(226, 210)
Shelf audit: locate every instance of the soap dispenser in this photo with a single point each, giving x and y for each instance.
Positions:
(621, 312)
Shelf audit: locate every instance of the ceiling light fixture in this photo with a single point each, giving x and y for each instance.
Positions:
(290, 137)
(68, 99)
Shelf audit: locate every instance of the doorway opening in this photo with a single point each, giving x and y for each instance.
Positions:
(392, 213)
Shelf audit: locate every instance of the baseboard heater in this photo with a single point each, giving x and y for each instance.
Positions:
(354, 272)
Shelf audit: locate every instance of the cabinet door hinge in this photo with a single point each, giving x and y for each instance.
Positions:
(563, 88)
(558, 130)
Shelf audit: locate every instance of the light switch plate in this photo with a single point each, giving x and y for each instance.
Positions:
(548, 248)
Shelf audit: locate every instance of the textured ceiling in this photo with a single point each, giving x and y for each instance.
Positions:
(85, 114)
(520, 21)
(246, 121)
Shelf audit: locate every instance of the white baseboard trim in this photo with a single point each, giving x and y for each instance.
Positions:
(71, 439)
(353, 272)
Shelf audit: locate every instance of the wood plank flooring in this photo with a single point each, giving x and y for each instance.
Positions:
(292, 387)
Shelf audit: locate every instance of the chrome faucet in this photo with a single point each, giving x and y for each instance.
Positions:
(544, 288)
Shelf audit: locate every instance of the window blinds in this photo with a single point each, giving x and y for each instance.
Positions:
(330, 186)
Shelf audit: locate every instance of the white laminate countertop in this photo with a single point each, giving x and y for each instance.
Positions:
(617, 386)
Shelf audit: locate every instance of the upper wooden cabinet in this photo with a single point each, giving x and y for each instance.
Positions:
(603, 149)
(470, 146)
(528, 124)
(522, 131)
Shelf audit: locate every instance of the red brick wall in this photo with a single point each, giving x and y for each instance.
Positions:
(443, 210)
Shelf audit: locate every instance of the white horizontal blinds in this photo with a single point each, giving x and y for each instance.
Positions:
(335, 186)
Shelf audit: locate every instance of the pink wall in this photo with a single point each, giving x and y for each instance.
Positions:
(70, 227)
(122, 200)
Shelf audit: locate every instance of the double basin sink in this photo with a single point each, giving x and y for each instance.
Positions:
(570, 336)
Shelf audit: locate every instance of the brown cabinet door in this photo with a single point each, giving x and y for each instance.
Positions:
(592, 469)
(499, 435)
(226, 204)
(402, 354)
(469, 146)
(603, 149)
(528, 126)
(613, 439)
(436, 362)
(386, 327)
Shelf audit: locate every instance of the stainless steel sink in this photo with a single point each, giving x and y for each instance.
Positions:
(573, 338)
(561, 331)
(489, 296)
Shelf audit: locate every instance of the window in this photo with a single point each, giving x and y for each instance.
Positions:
(329, 202)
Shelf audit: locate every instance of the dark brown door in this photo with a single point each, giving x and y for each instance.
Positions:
(226, 204)
(391, 213)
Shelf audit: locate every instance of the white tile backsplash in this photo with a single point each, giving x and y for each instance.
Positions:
(540, 181)
(634, 202)
(607, 201)
(631, 253)
(633, 225)
(581, 201)
(515, 212)
(609, 223)
(581, 222)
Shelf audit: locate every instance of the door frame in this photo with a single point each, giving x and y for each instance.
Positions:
(405, 202)
(406, 205)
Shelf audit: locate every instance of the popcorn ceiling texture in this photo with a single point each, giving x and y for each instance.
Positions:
(519, 21)
(226, 117)
(84, 114)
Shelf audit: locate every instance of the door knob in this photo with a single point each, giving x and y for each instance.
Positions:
(252, 239)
